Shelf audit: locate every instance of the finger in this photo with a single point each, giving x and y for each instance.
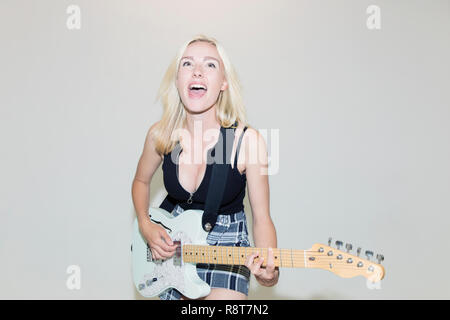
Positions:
(166, 238)
(257, 270)
(259, 262)
(162, 242)
(255, 266)
(164, 254)
(249, 260)
(155, 255)
(270, 265)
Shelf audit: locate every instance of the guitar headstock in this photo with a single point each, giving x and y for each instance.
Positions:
(345, 264)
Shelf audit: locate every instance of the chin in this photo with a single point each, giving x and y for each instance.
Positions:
(197, 108)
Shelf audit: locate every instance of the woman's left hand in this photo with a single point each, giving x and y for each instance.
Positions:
(267, 276)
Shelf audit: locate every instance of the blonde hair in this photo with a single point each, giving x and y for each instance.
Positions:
(229, 105)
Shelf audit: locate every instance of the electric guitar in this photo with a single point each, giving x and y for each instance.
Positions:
(152, 277)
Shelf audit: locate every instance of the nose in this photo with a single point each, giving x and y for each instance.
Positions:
(198, 72)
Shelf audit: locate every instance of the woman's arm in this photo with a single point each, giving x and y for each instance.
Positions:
(147, 165)
(160, 243)
(264, 234)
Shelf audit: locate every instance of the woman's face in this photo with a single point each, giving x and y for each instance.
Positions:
(200, 77)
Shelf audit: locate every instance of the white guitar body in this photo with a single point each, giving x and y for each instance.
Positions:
(152, 277)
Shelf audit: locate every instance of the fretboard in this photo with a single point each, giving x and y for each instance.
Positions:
(286, 258)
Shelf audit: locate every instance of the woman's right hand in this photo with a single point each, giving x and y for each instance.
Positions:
(160, 243)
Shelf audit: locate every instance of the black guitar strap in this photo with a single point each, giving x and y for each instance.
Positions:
(219, 177)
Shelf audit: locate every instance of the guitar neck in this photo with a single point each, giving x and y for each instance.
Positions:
(286, 258)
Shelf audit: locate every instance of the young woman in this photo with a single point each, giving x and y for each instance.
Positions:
(201, 96)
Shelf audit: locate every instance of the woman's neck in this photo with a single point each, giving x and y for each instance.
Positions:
(202, 122)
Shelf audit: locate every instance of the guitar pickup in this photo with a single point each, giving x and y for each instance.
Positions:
(177, 256)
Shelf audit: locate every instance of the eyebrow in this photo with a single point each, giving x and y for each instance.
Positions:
(204, 58)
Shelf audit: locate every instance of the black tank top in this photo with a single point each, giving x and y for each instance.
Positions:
(234, 192)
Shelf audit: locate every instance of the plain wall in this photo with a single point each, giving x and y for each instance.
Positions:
(362, 116)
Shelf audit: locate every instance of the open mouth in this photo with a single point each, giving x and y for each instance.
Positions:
(197, 90)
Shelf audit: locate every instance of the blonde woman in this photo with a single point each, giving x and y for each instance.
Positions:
(201, 96)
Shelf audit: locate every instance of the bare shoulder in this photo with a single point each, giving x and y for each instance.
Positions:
(253, 139)
(150, 140)
(254, 149)
(150, 158)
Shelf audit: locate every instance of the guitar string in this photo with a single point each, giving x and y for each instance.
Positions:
(292, 262)
(299, 262)
(277, 253)
(296, 254)
(255, 249)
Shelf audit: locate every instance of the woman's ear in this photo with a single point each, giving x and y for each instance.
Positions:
(224, 86)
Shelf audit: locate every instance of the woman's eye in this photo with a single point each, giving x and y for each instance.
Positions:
(188, 63)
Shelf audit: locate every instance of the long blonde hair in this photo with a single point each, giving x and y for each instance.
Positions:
(229, 105)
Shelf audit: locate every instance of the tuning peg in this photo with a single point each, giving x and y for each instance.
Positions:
(339, 244)
(369, 254)
(329, 241)
(358, 251)
(380, 258)
(348, 246)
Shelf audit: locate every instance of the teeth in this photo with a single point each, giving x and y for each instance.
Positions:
(198, 86)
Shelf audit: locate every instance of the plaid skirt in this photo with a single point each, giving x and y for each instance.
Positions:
(230, 230)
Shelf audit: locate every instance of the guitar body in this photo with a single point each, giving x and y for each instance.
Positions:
(152, 277)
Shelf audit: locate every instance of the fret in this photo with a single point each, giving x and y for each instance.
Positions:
(208, 255)
(276, 257)
(285, 258)
(280, 254)
(217, 253)
(243, 256)
(186, 253)
(292, 260)
(195, 252)
(211, 255)
(214, 250)
(225, 255)
(299, 259)
(239, 255)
